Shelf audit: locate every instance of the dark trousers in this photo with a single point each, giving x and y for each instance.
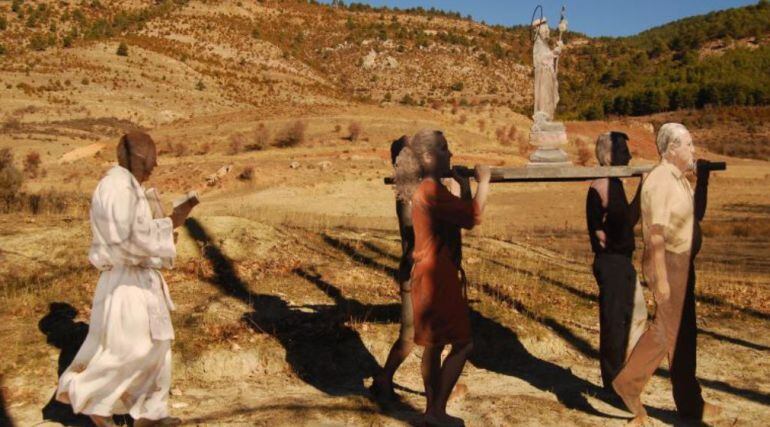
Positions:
(687, 391)
(616, 278)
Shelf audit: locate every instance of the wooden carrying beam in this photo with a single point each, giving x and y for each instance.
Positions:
(557, 173)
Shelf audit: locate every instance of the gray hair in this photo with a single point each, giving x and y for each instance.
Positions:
(409, 168)
(669, 136)
(604, 149)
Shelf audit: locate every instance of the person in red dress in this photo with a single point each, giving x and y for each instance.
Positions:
(441, 315)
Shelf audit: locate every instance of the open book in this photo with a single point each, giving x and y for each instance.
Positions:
(191, 198)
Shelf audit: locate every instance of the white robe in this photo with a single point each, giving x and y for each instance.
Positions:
(124, 365)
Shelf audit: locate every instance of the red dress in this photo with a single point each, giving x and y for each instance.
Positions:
(440, 310)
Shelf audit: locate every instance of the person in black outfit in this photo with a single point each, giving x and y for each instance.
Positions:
(382, 386)
(611, 221)
(687, 392)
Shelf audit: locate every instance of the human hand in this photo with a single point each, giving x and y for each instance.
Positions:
(461, 175)
(483, 174)
(602, 238)
(702, 168)
(663, 292)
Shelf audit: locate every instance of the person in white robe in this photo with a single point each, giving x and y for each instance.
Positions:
(124, 365)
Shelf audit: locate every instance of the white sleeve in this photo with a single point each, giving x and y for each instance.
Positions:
(133, 229)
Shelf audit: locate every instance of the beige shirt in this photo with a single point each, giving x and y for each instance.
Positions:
(667, 200)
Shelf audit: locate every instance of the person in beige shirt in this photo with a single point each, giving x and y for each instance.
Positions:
(667, 226)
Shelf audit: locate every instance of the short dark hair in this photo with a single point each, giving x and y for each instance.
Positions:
(396, 147)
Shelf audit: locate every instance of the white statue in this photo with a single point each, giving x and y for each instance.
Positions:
(546, 134)
(546, 62)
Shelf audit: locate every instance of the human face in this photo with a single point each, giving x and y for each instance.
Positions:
(145, 166)
(545, 32)
(683, 155)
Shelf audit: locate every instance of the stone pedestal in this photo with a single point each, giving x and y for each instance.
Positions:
(549, 138)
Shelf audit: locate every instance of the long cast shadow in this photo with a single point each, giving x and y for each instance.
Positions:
(498, 349)
(320, 347)
(64, 333)
(733, 340)
(587, 349)
(564, 332)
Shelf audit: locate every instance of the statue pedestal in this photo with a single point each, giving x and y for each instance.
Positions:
(548, 137)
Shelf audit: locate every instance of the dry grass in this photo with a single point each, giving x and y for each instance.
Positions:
(291, 135)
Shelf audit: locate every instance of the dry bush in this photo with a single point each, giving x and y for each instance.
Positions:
(6, 158)
(52, 202)
(237, 142)
(247, 174)
(32, 164)
(10, 178)
(502, 136)
(260, 140)
(584, 154)
(512, 133)
(337, 128)
(293, 134)
(482, 124)
(203, 149)
(355, 130)
(463, 118)
(11, 124)
(523, 145)
(179, 149)
(436, 104)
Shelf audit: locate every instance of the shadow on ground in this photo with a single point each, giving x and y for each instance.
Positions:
(320, 347)
(63, 332)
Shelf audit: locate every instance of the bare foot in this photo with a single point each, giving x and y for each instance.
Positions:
(639, 421)
(711, 413)
(443, 420)
(102, 421)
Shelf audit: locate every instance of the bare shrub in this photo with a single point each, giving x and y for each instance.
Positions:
(32, 164)
(584, 154)
(337, 128)
(179, 149)
(512, 132)
(502, 136)
(260, 140)
(463, 118)
(203, 149)
(247, 174)
(6, 158)
(293, 134)
(237, 141)
(10, 178)
(523, 145)
(11, 124)
(482, 124)
(355, 130)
